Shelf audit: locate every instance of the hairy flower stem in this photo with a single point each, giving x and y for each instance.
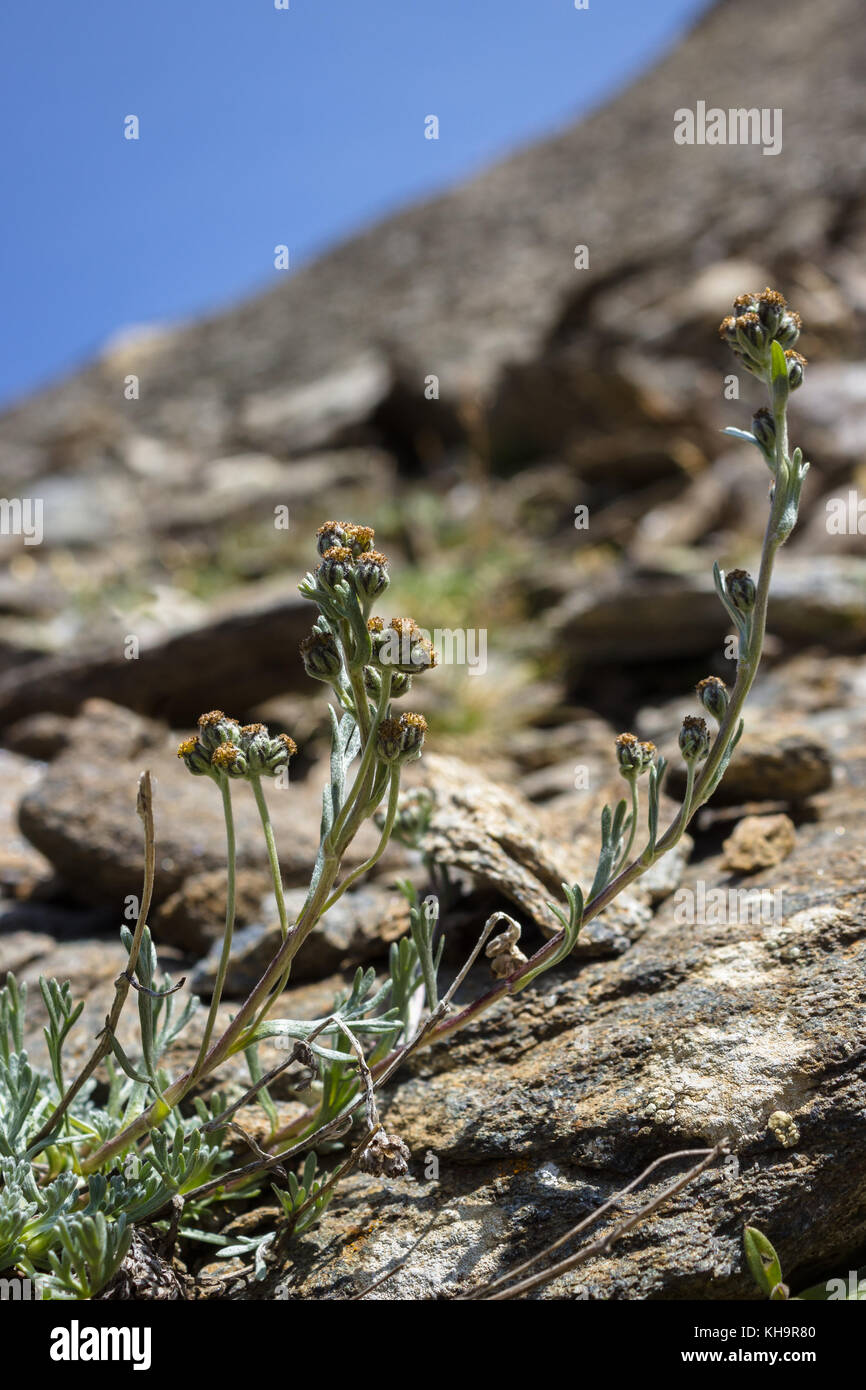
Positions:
(635, 799)
(253, 1009)
(354, 799)
(222, 970)
(123, 982)
(273, 858)
(390, 817)
(233, 1039)
(747, 667)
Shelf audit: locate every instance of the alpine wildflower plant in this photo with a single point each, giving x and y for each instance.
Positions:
(76, 1176)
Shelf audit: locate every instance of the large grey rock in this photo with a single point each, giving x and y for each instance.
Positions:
(358, 929)
(243, 653)
(643, 617)
(551, 1102)
(82, 814)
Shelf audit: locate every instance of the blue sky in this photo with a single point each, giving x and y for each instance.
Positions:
(258, 126)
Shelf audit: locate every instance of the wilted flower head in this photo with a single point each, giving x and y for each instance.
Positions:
(504, 953)
(386, 1155)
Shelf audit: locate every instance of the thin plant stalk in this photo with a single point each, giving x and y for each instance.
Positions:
(273, 857)
(225, 953)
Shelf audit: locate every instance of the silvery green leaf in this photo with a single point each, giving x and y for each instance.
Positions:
(571, 926)
(745, 435)
(611, 831)
(125, 1062)
(327, 812)
(261, 1267)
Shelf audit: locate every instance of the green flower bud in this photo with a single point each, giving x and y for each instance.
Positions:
(337, 565)
(789, 330)
(257, 753)
(255, 746)
(694, 738)
(713, 695)
(401, 740)
(633, 756)
(282, 749)
(764, 430)
(388, 740)
(741, 590)
(371, 575)
(216, 728)
(332, 533)
(401, 647)
(752, 336)
(194, 755)
(401, 684)
(745, 304)
(228, 758)
(728, 330)
(771, 306)
(796, 362)
(321, 656)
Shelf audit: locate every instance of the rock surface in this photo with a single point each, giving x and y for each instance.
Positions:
(550, 1103)
(82, 814)
(769, 765)
(758, 842)
(523, 853)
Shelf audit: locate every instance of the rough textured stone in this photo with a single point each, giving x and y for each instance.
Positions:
(82, 814)
(359, 927)
(498, 289)
(553, 1101)
(504, 843)
(769, 765)
(634, 617)
(758, 842)
(237, 659)
(40, 736)
(194, 916)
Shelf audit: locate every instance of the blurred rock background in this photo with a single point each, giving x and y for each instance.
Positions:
(558, 388)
